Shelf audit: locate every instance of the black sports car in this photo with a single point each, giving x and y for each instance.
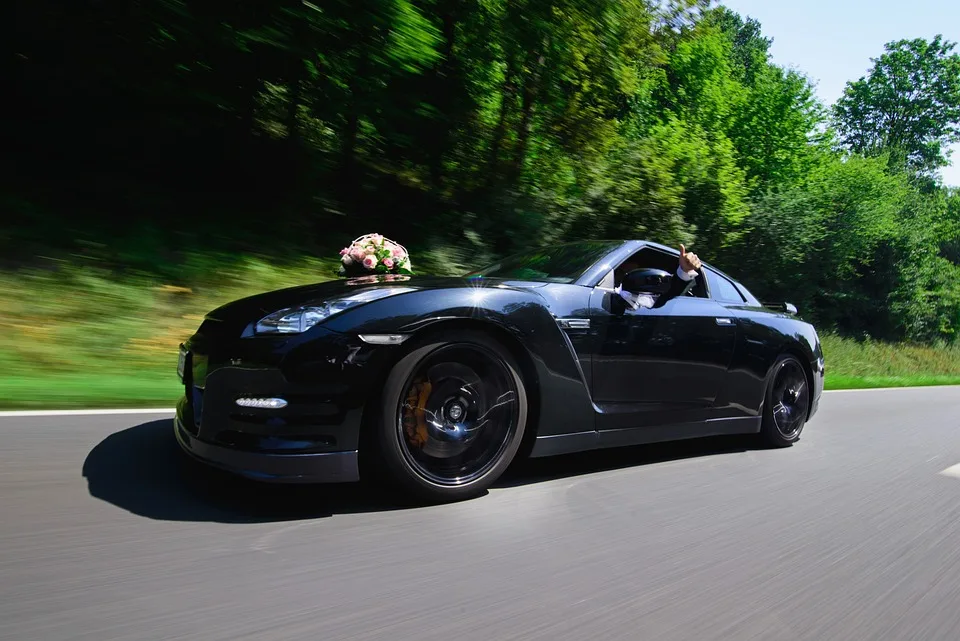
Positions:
(439, 383)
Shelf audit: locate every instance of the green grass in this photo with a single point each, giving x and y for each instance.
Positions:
(839, 381)
(75, 336)
(149, 389)
(868, 364)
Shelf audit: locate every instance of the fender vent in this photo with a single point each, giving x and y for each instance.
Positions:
(573, 323)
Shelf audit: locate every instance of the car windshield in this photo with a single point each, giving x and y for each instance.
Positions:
(559, 264)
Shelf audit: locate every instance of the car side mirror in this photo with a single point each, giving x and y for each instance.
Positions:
(788, 308)
(646, 281)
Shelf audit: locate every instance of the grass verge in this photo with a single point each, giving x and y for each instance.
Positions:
(868, 364)
(841, 382)
(95, 391)
(75, 336)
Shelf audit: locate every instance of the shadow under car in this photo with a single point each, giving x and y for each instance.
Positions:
(141, 469)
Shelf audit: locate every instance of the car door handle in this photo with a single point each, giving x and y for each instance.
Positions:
(724, 321)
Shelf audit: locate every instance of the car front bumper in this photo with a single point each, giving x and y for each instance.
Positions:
(322, 467)
(312, 437)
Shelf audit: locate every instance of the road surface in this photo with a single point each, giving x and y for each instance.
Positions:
(854, 533)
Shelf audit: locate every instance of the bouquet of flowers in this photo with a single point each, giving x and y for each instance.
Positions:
(374, 254)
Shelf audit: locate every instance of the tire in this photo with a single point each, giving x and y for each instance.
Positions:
(452, 439)
(786, 402)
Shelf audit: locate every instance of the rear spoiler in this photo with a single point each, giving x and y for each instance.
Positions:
(789, 308)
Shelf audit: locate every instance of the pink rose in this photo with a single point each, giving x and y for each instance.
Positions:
(347, 260)
(388, 263)
(370, 261)
(344, 251)
(376, 239)
(358, 254)
(397, 252)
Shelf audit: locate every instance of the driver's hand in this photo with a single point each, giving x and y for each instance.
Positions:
(688, 261)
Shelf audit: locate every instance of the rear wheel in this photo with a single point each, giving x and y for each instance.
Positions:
(453, 416)
(786, 404)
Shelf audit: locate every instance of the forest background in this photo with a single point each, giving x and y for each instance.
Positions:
(166, 156)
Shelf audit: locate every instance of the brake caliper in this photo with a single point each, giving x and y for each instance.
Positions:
(414, 413)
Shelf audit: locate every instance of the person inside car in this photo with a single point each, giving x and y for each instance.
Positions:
(680, 283)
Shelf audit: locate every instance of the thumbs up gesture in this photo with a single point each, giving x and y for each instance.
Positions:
(688, 261)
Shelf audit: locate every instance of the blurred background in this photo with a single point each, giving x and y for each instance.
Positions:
(167, 156)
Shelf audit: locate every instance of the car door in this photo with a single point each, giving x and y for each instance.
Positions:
(661, 365)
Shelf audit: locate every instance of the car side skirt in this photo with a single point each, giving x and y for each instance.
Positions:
(592, 440)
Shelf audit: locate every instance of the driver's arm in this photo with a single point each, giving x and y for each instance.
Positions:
(685, 278)
(680, 284)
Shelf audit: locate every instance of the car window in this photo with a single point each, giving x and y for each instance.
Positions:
(724, 290)
(752, 300)
(656, 259)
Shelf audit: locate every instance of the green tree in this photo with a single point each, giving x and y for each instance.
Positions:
(483, 126)
(907, 106)
(750, 50)
(774, 129)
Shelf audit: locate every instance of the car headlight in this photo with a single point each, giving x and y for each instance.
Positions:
(296, 320)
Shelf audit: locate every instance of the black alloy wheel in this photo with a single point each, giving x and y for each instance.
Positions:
(453, 416)
(787, 402)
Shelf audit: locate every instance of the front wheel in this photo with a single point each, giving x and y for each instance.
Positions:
(453, 415)
(786, 404)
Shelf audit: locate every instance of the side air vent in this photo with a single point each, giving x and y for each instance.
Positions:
(573, 323)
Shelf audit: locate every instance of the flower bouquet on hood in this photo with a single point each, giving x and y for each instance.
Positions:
(373, 254)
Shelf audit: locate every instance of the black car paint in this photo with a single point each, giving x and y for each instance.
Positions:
(711, 378)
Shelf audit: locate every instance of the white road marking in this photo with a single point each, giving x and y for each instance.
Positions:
(27, 413)
(885, 389)
(953, 471)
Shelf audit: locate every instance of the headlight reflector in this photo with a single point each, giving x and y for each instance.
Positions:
(296, 320)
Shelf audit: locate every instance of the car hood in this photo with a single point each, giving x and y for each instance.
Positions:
(259, 305)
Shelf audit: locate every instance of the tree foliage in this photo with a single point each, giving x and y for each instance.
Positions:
(907, 106)
(481, 127)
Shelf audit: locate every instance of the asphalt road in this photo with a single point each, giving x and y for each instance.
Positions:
(854, 533)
